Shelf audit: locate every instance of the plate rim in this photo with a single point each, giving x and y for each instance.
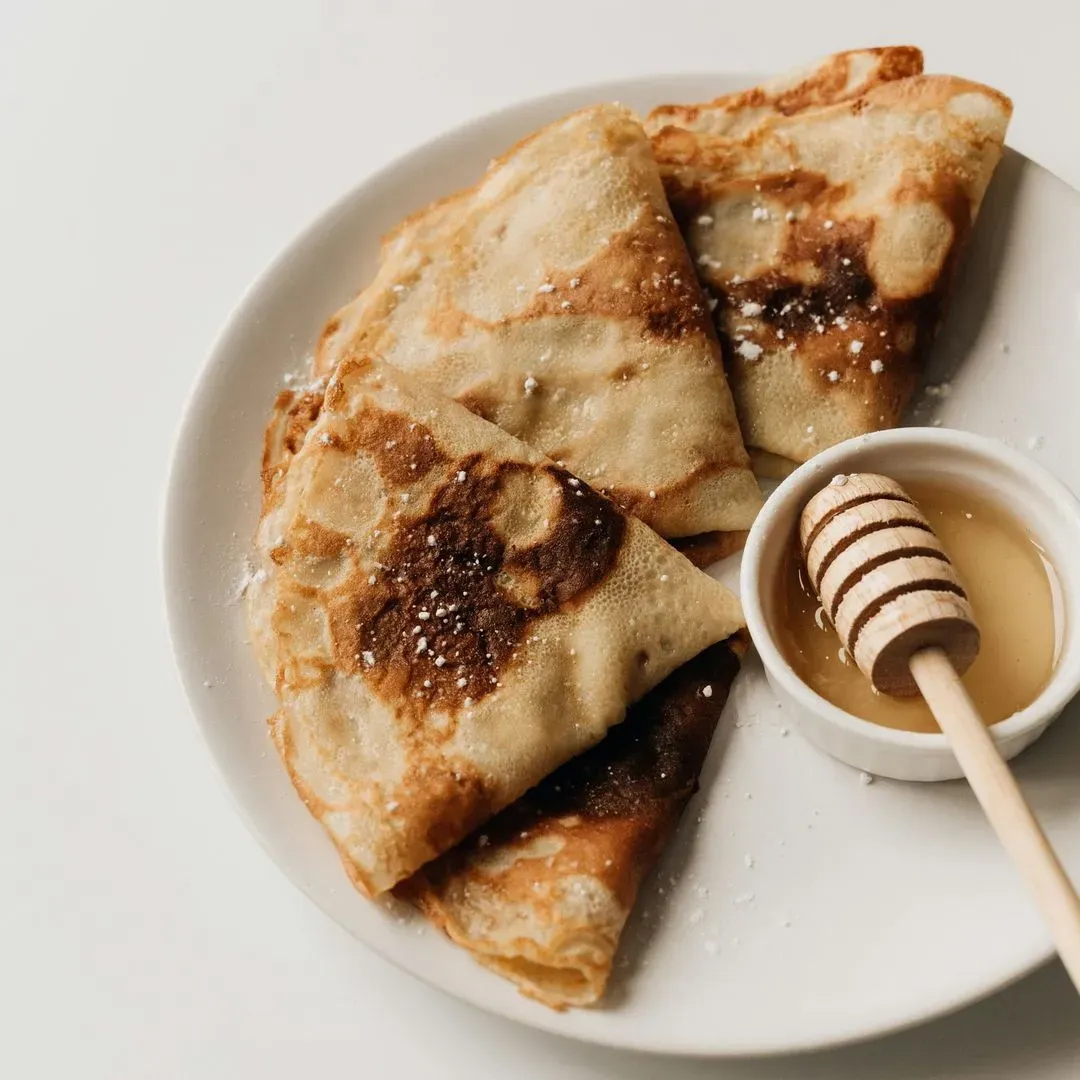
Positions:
(568, 99)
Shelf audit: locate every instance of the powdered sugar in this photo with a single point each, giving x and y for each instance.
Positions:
(249, 576)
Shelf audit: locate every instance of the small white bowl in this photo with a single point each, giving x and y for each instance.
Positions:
(985, 467)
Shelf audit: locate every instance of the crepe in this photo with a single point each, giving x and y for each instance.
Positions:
(840, 77)
(542, 893)
(828, 218)
(445, 615)
(708, 548)
(557, 300)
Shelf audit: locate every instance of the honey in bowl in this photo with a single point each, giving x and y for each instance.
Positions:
(1009, 584)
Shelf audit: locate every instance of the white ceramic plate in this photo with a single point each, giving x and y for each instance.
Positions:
(866, 908)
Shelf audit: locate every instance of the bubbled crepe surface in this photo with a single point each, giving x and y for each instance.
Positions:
(542, 893)
(827, 212)
(563, 266)
(445, 615)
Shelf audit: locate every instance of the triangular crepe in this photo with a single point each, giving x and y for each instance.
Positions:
(446, 616)
(542, 893)
(557, 300)
(831, 238)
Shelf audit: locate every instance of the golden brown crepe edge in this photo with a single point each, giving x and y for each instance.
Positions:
(573, 968)
(824, 82)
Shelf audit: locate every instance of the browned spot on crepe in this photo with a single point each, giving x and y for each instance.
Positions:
(832, 80)
(707, 548)
(452, 587)
(404, 450)
(511, 893)
(433, 604)
(293, 414)
(828, 212)
(557, 300)
(644, 274)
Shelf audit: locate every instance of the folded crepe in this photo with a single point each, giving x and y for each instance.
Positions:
(445, 615)
(542, 893)
(556, 299)
(827, 215)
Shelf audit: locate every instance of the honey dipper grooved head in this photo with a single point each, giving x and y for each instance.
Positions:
(884, 579)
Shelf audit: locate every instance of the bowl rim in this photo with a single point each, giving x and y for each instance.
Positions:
(1064, 683)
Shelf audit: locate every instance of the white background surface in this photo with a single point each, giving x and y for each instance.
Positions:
(154, 157)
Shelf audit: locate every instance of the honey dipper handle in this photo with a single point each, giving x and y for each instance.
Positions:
(1002, 801)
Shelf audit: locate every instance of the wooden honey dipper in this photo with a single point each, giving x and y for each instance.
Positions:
(902, 615)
